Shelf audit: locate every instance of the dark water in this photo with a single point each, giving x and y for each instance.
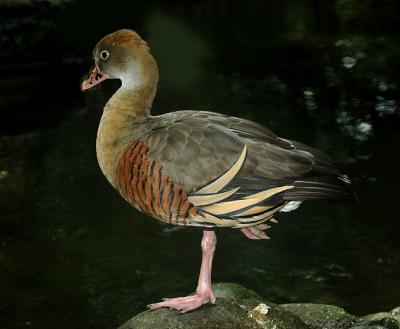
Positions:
(73, 254)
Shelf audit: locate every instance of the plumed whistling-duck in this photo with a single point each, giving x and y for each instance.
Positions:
(196, 168)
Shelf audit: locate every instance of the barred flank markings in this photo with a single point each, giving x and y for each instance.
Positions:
(139, 184)
(129, 175)
(162, 186)
(175, 203)
(192, 211)
(168, 207)
(142, 177)
(141, 181)
(181, 204)
(156, 190)
(136, 178)
(182, 207)
(165, 195)
(133, 155)
(125, 170)
(147, 187)
(185, 208)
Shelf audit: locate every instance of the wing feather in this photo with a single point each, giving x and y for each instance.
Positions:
(237, 172)
(222, 181)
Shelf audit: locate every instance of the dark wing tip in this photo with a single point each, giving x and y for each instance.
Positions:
(327, 187)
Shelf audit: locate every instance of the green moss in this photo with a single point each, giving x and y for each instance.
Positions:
(321, 316)
(383, 319)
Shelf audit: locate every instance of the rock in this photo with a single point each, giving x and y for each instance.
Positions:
(378, 320)
(395, 313)
(238, 292)
(321, 316)
(241, 308)
(237, 307)
(228, 314)
(367, 327)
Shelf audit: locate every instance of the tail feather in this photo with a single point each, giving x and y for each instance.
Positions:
(325, 187)
(325, 181)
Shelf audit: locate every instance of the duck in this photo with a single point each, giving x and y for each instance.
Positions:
(197, 168)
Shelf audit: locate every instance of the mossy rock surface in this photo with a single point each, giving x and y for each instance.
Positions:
(321, 316)
(378, 320)
(241, 308)
(234, 309)
(227, 314)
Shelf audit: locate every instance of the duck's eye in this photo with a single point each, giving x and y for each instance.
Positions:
(104, 54)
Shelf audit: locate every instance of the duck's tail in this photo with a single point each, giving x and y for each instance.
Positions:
(326, 187)
(326, 180)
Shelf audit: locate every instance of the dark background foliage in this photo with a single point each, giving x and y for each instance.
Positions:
(73, 254)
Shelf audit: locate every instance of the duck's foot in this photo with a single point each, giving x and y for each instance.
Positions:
(256, 232)
(186, 304)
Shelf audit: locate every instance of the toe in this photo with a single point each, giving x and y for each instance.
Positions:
(260, 234)
(262, 227)
(247, 232)
(153, 306)
(192, 306)
(211, 297)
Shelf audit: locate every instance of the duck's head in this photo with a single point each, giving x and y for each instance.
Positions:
(122, 55)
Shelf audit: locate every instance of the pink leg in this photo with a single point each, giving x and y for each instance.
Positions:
(256, 232)
(204, 293)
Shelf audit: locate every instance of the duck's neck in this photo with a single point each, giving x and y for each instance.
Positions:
(131, 103)
(124, 114)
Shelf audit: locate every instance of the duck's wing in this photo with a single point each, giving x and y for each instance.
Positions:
(235, 172)
(196, 147)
